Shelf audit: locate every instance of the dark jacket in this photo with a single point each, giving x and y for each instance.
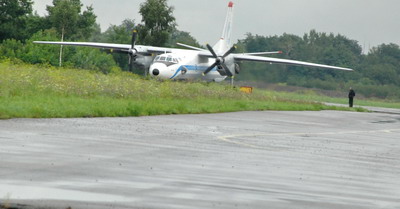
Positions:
(352, 93)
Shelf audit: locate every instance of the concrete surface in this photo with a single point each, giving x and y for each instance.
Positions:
(265, 159)
(372, 109)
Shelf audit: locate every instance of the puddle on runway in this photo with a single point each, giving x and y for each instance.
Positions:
(385, 121)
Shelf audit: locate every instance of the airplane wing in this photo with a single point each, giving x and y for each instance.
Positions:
(88, 44)
(263, 53)
(114, 47)
(244, 57)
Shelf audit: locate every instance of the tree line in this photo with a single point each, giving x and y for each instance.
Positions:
(376, 73)
(67, 20)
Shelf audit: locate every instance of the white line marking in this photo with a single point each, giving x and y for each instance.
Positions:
(230, 138)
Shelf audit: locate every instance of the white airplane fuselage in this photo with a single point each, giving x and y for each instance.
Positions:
(185, 65)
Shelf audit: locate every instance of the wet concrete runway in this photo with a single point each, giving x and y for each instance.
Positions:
(266, 159)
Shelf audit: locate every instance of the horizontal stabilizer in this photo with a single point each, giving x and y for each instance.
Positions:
(190, 47)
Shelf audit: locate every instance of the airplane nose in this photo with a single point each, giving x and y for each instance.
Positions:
(160, 70)
(156, 72)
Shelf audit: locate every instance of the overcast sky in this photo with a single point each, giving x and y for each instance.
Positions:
(370, 22)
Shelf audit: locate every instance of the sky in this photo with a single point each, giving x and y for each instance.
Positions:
(370, 22)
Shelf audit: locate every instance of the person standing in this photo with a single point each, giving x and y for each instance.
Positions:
(352, 94)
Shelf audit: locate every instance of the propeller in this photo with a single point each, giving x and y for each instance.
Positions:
(220, 61)
(132, 51)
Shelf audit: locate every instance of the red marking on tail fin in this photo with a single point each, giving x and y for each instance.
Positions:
(230, 5)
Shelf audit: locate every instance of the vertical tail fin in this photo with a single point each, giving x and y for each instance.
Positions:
(226, 33)
(225, 42)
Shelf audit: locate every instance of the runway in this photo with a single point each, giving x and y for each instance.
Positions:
(327, 159)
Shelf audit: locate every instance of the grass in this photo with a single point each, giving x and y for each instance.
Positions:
(30, 91)
(315, 96)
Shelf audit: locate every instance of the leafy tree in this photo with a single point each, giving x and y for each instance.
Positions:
(66, 17)
(96, 35)
(36, 23)
(376, 74)
(121, 34)
(312, 47)
(270, 73)
(11, 48)
(40, 54)
(78, 57)
(69, 20)
(86, 24)
(29, 52)
(158, 21)
(182, 37)
(93, 59)
(13, 18)
(382, 64)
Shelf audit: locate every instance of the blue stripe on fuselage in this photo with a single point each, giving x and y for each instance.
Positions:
(191, 67)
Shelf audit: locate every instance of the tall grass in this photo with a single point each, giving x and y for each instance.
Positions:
(29, 91)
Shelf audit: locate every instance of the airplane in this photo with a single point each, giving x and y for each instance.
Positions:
(212, 64)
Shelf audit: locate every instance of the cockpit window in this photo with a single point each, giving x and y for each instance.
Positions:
(168, 59)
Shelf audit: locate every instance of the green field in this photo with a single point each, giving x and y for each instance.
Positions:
(33, 91)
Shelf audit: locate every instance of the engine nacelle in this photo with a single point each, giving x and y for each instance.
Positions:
(237, 68)
(144, 61)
